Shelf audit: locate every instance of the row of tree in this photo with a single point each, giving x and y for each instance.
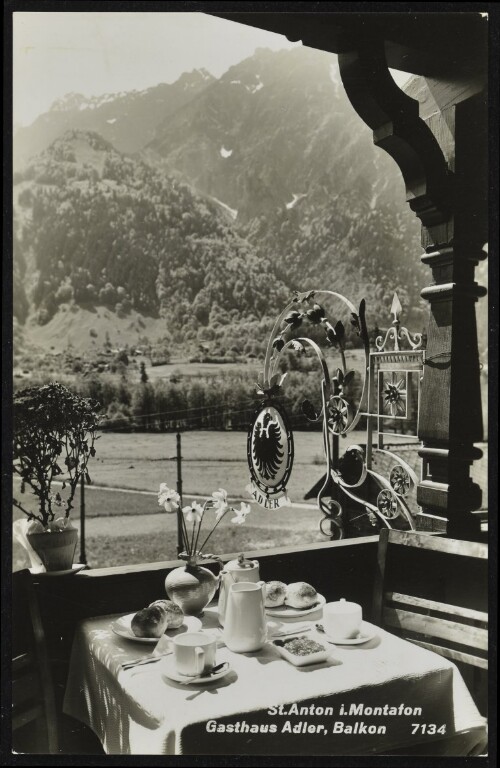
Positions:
(221, 402)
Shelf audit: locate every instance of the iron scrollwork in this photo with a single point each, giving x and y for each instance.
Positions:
(337, 414)
(352, 478)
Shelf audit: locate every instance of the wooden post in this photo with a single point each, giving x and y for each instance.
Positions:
(450, 414)
(83, 554)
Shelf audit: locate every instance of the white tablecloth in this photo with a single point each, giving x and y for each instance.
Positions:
(141, 711)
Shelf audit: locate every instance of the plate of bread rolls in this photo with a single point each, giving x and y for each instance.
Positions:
(290, 600)
(162, 617)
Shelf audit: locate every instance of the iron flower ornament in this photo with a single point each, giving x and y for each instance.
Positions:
(394, 395)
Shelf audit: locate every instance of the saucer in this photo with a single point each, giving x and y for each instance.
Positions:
(170, 671)
(366, 633)
(122, 628)
(75, 568)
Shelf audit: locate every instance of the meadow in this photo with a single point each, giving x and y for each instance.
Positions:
(125, 525)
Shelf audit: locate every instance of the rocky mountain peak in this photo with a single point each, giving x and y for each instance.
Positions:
(68, 102)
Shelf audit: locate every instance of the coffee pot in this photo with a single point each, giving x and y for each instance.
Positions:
(342, 619)
(245, 628)
(233, 572)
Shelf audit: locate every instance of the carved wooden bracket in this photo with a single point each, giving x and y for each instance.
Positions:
(398, 129)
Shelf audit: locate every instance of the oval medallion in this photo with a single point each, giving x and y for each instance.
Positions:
(270, 456)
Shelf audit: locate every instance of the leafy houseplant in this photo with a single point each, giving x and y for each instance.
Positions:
(54, 436)
(192, 587)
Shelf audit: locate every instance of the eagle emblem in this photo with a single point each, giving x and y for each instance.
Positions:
(268, 447)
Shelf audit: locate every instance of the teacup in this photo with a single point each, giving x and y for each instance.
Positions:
(194, 653)
(342, 619)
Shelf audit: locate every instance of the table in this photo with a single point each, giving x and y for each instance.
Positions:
(391, 693)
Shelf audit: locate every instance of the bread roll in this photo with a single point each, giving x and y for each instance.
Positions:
(175, 614)
(275, 594)
(150, 622)
(301, 595)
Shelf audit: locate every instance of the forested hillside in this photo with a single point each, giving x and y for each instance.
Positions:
(103, 229)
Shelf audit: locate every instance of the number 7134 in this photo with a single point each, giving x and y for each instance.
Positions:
(429, 728)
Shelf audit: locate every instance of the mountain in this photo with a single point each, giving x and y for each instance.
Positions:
(239, 191)
(128, 120)
(272, 130)
(96, 228)
(276, 142)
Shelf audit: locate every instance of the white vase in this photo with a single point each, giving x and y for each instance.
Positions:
(191, 587)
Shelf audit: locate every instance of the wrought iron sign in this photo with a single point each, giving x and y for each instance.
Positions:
(367, 476)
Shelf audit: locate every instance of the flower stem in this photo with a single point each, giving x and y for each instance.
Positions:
(192, 537)
(199, 527)
(213, 529)
(184, 532)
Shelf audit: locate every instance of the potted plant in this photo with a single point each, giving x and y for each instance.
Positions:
(54, 436)
(192, 586)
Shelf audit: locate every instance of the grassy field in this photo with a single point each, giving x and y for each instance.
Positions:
(209, 460)
(184, 368)
(126, 525)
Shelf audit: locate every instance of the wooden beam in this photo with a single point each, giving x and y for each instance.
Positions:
(453, 631)
(436, 606)
(438, 544)
(287, 552)
(451, 653)
(436, 45)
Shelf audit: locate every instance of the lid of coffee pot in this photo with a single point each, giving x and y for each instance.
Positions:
(341, 606)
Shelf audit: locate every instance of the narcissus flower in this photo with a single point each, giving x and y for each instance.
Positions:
(168, 498)
(193, 517)
(241, 513)
(193, 513)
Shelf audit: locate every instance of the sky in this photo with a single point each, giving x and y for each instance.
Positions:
(92, 53)
(55, 53)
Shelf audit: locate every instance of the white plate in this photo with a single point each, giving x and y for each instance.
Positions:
(170, 671)
(366, 633)
(122, 627)
(285, 611)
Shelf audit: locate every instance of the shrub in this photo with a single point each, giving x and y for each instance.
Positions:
(54, 435)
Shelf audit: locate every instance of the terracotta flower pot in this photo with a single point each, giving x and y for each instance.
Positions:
(57, 549)
(191, 587)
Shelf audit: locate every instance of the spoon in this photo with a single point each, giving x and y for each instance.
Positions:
(215, 670)
(142, 662)
(321, 628)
